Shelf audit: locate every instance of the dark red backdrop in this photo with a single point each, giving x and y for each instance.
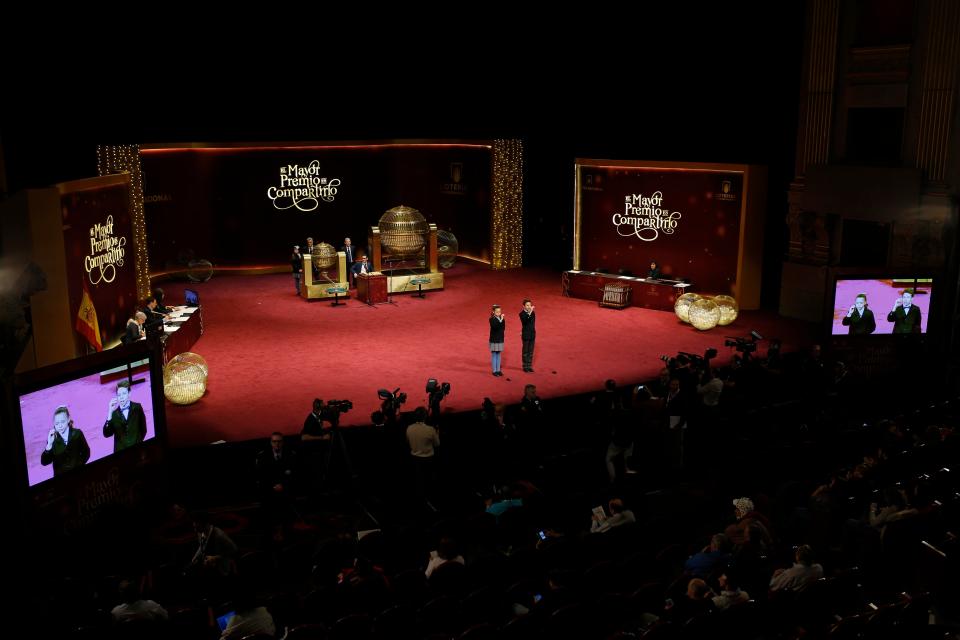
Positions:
(114, 288)
(214, 204)
(703, 243)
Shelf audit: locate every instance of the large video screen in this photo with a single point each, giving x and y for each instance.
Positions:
(73, 423)
(879, 306)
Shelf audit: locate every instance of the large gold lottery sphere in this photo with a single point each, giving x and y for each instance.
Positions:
(682, 305)
(447, 247)
(324, 255)
(184, 379)
(704, 314)
(402, 232)
(728, 309)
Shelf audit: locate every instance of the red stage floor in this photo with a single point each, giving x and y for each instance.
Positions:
(270, 353)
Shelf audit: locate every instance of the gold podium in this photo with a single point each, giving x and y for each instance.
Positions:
(401, 283)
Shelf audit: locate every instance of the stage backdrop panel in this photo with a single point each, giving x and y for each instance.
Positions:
(695, 220)
(240, 205)
(99, 251)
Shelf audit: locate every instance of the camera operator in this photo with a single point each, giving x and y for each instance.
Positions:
(313, 425)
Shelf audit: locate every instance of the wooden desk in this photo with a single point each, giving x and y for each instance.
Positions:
(372, 288)
(650, 294)
(181, 336)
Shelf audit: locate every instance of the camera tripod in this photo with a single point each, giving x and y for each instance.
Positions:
(337, 446)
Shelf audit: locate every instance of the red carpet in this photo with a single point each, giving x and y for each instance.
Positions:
(270, 353)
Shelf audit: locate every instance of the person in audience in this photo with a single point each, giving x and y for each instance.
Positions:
(250, 619)
(528, 333)
(746, 516)
(216, 552)
(296, 267)
(313, 424)
(660, 387)
(531, 409)
(731, 594)
(67, 448)
(498, 327)
(619, 516)
(798, 577)
(710, 388)
(905, 315)
(859, 318)
(276, 469)
(715, 554)
(136, 609)
(126, 423)
(445, 552)
(893, 508)
(497, 505)
(135, 330)
(622, 441)
(698, 600)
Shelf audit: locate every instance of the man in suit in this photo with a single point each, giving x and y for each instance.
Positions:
(351, 254)
(276, 467)
(528, 333)
(296, 266)
(126, 422)
(150, 310)
(308, 251)
(361, 267)
(905, 315)
(859, 318)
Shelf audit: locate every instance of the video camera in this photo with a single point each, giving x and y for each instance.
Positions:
(391, 401)
(332, 410)
(746, 346)
(695, 360)
(436, 391)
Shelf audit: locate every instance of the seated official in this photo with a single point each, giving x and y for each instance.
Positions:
(150, 310)
(654, 272)
(158, 296)
(362, 267)
(135, 330)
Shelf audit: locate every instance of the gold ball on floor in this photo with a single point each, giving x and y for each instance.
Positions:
(704, 314)
(185, 378)
(682, 306)
(728, 309)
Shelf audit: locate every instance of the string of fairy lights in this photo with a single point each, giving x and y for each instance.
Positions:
(507, 210)
(122, 158)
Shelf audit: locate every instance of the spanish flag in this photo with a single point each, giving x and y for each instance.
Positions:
(87, 324)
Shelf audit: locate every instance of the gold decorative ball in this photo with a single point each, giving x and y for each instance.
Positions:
(189, 356)
(402, 232)
(682, 306)
(704, 314)
(185, 379)
(728, 309)
(324, 255)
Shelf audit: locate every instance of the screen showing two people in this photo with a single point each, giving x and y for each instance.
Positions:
(73, 423)
(877, 306)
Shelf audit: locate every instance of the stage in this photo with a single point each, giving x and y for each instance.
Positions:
(270, 352)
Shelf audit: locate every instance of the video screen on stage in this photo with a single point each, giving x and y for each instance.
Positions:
(881, 306)
(71, 423)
